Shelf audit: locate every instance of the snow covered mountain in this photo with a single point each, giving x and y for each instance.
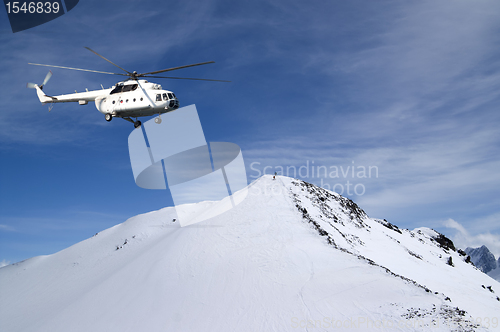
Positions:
(484, 260)
(290, 257)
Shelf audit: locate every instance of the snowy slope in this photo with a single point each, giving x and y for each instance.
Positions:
(417, 255)
(290, 257)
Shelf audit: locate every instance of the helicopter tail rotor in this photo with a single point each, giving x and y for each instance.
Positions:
(44, 99)
(47, 78)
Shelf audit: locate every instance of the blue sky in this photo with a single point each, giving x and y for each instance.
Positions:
(411, 88)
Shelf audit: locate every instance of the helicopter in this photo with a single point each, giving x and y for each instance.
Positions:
(131, 98)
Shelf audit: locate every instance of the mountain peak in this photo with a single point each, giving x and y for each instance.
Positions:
(290, 254)
(482, 258)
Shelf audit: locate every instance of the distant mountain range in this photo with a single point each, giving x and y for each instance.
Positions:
(484, 260)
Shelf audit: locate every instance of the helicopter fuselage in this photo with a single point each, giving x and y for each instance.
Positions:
(128, 99)
(134, 98)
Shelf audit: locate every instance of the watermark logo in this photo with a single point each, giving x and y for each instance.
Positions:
(28, 14)
(175, 154)
(342, 179)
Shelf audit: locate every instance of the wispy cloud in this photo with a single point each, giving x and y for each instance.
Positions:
(418, 100)
(463, 238)
(4, 263)
(7, 228)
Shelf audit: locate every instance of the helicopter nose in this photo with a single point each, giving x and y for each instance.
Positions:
(174, 103)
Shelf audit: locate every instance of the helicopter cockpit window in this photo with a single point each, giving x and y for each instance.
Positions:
(158, 97)
(170, 96)
(117, 89)
(165, 96)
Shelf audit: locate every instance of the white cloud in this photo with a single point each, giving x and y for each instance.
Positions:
(462, 238)
(4, 263)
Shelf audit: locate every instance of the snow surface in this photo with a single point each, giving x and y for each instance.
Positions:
(290, 257)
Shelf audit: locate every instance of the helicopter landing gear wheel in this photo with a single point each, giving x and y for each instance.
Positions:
(158, 120)
(137, 124)
(108, 117)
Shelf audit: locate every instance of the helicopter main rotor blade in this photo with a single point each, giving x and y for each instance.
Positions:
(174, 68)
(114, 64)
(186, 78)
(92, 71)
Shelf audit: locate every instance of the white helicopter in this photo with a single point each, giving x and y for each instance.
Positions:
(128, 99)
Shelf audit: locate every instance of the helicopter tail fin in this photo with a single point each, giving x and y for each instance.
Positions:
(44, 99)
(42, 96)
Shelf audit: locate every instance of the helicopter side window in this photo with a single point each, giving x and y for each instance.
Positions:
(131, 87)
(165, 96)
(124, 88)
(170, 96)
(158, 97)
